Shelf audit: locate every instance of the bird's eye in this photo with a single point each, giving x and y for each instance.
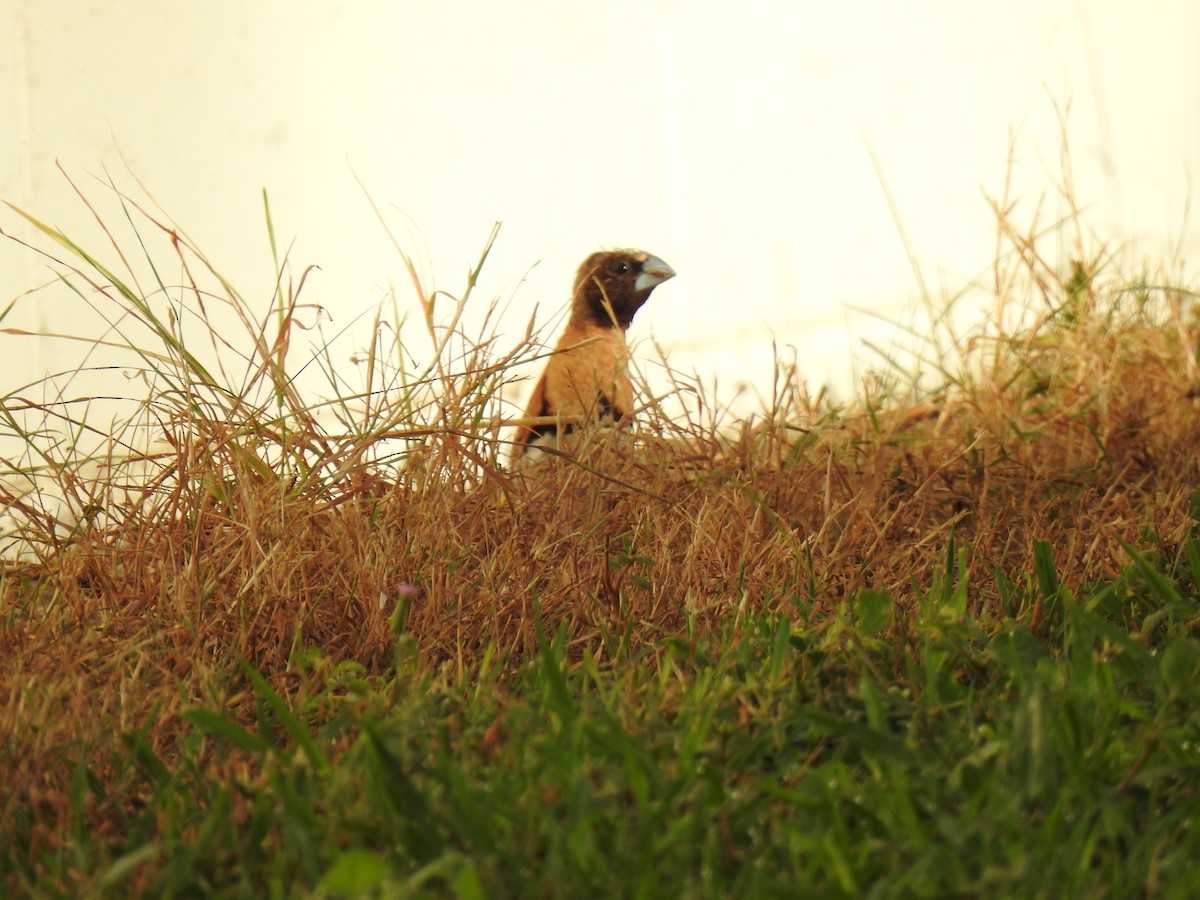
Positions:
(619, 267)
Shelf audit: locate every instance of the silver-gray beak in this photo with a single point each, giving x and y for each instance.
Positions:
(654, 272)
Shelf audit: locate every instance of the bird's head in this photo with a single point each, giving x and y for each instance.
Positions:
(612, 285)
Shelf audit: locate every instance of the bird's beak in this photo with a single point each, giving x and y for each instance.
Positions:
(654, 272)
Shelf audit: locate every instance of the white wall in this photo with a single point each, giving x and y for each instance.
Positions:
(730, 138)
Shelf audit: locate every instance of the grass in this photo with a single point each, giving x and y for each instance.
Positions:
(269, 628)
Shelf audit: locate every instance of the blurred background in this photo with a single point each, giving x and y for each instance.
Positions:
(777, 155)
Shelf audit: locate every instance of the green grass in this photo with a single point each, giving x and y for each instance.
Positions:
(945, 755)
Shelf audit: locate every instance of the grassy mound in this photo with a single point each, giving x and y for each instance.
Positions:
(937, 640)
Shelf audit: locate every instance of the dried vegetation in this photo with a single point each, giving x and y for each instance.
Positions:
(227, 516)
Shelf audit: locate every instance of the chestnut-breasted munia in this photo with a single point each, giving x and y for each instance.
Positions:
(587, 377)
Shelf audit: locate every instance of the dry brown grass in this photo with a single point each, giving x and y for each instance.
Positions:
(254, 529)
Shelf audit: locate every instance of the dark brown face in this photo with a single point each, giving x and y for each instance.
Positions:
(616, 280)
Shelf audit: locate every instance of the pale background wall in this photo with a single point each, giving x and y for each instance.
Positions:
(730, 138)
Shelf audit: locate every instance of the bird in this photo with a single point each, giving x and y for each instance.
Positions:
(586, 377)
